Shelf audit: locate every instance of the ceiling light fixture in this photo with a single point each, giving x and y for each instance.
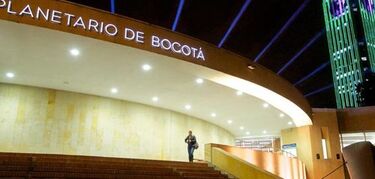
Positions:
(248, 133)
(213, 114)
(242, 128)
(10, 75)
(290, 123)
(239, 93)
(155, 99)
(282, 115)
(199, 80)
(74, 52)
(188, 107)
(264, 132)
(266, 105)
(114, 90)
(146, 67)
(229, 121)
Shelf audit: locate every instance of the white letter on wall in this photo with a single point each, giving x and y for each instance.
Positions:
(10, 8)
(45, 15)
(93, 24)
(2, 3)
(26, 11)
(129, 34)
(108, 28)
(140, 38)
(56, 16)
(155, 41)
(69, 18)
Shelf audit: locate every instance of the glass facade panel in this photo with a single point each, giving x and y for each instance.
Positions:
(256, 143)
(351, 138)
(350, 33)
(370, 136)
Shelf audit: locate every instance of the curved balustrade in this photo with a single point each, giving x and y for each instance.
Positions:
(277, 164)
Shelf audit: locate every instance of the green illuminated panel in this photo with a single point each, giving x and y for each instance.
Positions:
(344, 53)
(368, 19)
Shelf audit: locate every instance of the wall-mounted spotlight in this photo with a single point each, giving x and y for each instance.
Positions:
(251, 67)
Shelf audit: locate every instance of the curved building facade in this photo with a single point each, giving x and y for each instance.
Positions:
(81, 81)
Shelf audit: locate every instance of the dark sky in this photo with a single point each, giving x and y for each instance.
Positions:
(209, 20)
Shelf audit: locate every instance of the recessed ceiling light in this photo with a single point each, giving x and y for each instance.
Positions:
(146, 67)
(74, 52)
(242, 128)
(290, 123)
(266, 105)
(239, 93)
(282, 115)
(264, 132)
(188, 107)
(10, 75)
(229, 121)
(155, 99)
(248, 133)
(199, 80)
(114, 90)
(213, 114)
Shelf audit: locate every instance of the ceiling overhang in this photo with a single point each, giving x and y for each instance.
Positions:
(181, 57)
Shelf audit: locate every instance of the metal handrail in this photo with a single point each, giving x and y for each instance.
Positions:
(333, 171)
(284, 151)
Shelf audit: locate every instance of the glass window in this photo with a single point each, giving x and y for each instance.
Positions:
(370, 136)
(256, 143)
(351, 138)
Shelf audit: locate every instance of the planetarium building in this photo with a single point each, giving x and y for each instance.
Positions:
(80, 85)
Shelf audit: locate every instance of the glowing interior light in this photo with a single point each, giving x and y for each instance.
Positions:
(155, 99)
(146, 67)
(74, 52)
(188, 107)
(199, 80)
(10, 75)
(239, 93)
(114, 90)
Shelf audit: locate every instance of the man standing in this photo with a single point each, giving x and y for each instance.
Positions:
(192, 145)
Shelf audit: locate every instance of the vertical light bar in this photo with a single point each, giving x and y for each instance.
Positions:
(286, 25)
(178, 14)
(113, 6)
(319, 90)
(321, 67)
(234, 23)
(299, 53)
(325, 151)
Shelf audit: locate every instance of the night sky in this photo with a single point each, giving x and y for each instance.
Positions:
(209, 21)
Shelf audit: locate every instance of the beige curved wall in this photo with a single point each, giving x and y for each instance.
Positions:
(36, 120)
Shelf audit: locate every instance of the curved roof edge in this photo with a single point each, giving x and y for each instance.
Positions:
(81, 20)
